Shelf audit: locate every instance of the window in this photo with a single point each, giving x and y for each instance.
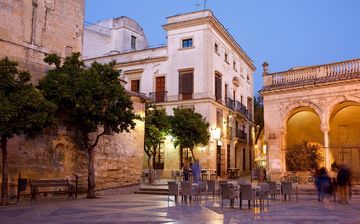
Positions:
(186, 43)
(158, 159)
(226, 91)
(218, 87)
(216, 48)
(228, 157)
(219, 118)
(226, 58)
(133, 43)
(234, 65)
(135, 85)
(186, 85)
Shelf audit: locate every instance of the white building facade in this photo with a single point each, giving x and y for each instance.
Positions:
(201, 67)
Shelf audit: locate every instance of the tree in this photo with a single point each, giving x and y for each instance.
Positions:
(258, 115)
(156, 127)
(303, 157)
(189, 129)
(23, 111)
(90, 100)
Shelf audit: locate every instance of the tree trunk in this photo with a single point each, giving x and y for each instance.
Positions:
(192, 153)
(151, 178)
(91, 174)
(4, 182)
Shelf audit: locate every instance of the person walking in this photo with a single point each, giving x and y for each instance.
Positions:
(343, 181)
(323, 183)
(186, 170)
(196, 171)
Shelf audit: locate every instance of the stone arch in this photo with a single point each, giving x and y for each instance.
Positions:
(291, 108)
(333, 105)
(344, 132)
(303, 124)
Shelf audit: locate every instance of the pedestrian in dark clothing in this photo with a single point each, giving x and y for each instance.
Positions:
(323, 184)
(344, 182)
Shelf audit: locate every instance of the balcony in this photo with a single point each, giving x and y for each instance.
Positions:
(158, 97)
(340, 71)
(241, 135)
(229, 103)
(240, 108)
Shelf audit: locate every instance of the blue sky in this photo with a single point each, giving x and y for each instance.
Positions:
(285, 33)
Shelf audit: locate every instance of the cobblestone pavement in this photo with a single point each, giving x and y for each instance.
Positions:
(135, 208)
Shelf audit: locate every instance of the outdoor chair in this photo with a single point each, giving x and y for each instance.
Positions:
(211, 187)
(286, 190)
(264, 193)
(186, 191)
(201, 190)
(273, 190)
(246, 193)
(173, 191)
(227, 192)
(221, 182)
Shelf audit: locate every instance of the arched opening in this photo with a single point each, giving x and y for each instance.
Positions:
(345, 134)
(303, 125)
(304, 139)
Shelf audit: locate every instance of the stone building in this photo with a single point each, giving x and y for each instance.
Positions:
(29, 30)
(319, 104)
(201, 67)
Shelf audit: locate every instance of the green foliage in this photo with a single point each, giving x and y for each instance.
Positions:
(258, 115)
(23, 110)
(303, 157)
(157, 125)
(88, 98)
(189, 128)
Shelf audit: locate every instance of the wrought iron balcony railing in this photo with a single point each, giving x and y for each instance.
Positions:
(229, 103)
(240, 108)
(158, 97)
(241, 135)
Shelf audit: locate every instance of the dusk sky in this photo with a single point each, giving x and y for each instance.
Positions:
(282, 32)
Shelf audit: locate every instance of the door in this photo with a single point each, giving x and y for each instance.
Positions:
(160, 89)
(218, 160)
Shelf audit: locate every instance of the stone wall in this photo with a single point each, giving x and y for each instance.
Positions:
(118, 157)
(33, 28)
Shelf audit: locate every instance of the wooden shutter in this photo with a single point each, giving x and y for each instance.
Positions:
(218, 87)
(135, 85)
(186, 85)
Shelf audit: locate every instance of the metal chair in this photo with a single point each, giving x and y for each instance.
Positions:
(201, 190)
(173, 191)
(211, 187)
(264, 193)
(186, 190)
(286, 189)
(246, 193)
(228, 193)
(273, 190)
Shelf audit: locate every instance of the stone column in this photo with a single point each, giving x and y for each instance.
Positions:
(282, 133)
(325, 129)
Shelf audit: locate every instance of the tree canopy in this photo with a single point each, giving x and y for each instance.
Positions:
(189, 129)
(23, 110)
(90, 100)
(157, 125)
(303, 157)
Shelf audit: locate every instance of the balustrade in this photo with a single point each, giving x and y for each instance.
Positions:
(316, 74)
